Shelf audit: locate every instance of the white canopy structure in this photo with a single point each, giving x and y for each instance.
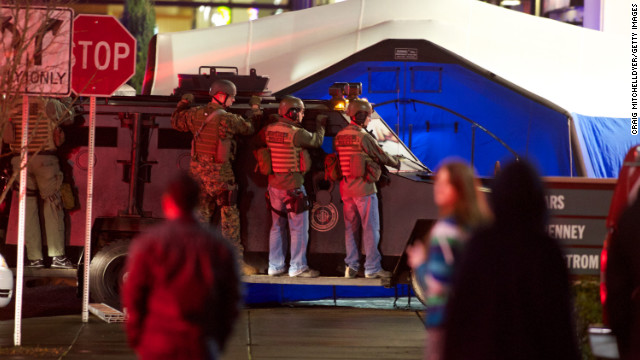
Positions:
(585, 72)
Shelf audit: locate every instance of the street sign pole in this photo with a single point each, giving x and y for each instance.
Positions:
(105, 55)
(52, 26)
(87, 235)
(17, 331)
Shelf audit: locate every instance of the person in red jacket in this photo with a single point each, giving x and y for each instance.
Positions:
(182, 289)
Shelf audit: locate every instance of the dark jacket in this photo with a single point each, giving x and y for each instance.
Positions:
(181, 292)
(511, 295)
(623, 282)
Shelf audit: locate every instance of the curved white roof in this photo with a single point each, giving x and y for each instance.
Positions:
(581, 70)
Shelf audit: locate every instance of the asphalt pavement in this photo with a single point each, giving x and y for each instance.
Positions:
(384, 328)
(42, 298)
(64, 337)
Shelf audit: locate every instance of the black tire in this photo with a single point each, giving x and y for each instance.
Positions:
(106, 273)
(417, 289)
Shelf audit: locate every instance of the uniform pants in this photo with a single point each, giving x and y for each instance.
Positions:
(361, 213)
(299, 230)
(214, 179)
(43, 175)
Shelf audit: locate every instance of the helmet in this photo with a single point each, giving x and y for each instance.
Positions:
(358, 110)
(358, 105)
(287, 103)
(223, 86)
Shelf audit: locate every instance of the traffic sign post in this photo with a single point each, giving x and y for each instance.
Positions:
(37, 61)
(105, 59)
(36, 44)
(104, 53)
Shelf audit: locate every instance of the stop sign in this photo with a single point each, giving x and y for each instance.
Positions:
(104, 55)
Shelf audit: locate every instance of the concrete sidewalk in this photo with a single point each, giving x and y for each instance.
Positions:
(65, 337)
(317, 332)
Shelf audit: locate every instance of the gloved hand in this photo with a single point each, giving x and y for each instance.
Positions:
(188, 97)
(186, 101)
(322, 120)
(253, 114)
(255, 101)
(398, 159)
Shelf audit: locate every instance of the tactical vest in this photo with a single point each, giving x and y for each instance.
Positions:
(40, 128)
(206, 138)
(348, 143)
(285, 156)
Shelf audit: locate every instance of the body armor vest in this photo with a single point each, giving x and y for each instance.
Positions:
(40, 128)
(206, 139)
(285, 156)
(348, 145)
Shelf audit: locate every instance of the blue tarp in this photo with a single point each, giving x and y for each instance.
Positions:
(279, 293)
(604, 142)
(438, 110)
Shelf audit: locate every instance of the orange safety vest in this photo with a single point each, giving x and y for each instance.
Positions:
(285, 156)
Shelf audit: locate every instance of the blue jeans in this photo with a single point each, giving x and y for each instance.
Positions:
(362, 213)
(299, 230)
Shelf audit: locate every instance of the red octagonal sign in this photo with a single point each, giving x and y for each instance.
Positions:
(104, 55)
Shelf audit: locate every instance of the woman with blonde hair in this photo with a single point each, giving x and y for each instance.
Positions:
(459, 203)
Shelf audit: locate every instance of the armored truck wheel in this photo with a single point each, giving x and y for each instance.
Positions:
(107, 271)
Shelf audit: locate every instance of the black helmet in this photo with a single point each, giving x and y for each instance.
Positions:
(287, 104)
(358, 110)
(223, 86)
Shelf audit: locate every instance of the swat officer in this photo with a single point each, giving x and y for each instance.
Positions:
(44, 176)
(286, 140)
(360, 158)
(212, 152)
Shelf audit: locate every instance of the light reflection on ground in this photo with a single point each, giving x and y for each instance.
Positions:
(387, 303)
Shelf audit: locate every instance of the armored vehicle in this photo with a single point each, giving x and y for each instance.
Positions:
(137, 152)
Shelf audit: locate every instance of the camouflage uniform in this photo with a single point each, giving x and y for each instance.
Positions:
(213, 150)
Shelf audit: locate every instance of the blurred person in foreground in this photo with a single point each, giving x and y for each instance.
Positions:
(182, 290)
(623, 282)
(511, 297)
(457, 198)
